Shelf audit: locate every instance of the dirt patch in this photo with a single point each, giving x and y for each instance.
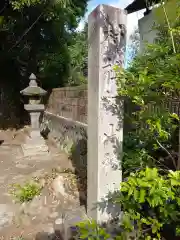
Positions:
(39, 216)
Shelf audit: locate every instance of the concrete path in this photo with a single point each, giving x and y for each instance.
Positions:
(47, 216)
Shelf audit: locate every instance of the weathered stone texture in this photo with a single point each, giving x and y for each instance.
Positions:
(35, 144)
(107, 32)
(69, 102)
(69, 134)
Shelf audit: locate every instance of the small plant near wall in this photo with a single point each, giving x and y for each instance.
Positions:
(26, 192)
(92, 231)
(18, 238)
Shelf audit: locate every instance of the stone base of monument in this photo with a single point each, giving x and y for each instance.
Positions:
(34, 150)
(35, 147)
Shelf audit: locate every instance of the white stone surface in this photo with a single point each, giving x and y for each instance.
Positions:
(147, 33)
(58, 186)
(34, 146)
(59, 221)
(105, 112)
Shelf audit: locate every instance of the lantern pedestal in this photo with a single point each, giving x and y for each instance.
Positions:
(35, 144)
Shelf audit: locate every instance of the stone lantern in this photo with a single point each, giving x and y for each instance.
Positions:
(35, 143)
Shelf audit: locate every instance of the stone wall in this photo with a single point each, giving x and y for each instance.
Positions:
(69, 102)
(65, 119)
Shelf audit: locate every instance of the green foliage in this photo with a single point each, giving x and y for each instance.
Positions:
(18, 238)
(135, 155)
(78, 58)
(151, 83)
(18, 5)
(22, 3)
(92, 231)
(35, 37)
(76, 77)
(150, 203)
(26, 192)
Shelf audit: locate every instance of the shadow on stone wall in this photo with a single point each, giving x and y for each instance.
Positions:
(78, 157)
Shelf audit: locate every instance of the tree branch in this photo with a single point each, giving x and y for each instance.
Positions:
(169, 154)
(2, 10)
(26, 32)
(4, 7)
(169, 27)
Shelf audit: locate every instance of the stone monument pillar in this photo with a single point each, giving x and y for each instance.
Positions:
(107, 37)
(35, 143)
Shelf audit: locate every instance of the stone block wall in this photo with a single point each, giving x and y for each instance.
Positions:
(65, 119)
(69, 102)
(71, 136)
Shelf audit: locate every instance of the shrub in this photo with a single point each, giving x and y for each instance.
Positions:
(151, 85)
(92, 231)
(150, 204)
(26, 192)
(135, 154)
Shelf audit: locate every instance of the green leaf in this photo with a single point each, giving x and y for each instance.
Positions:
(136, 194)
(175, 116)
(142, 196)
(178, 231)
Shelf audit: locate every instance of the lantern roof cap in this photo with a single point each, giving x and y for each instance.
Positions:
(33, 89)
